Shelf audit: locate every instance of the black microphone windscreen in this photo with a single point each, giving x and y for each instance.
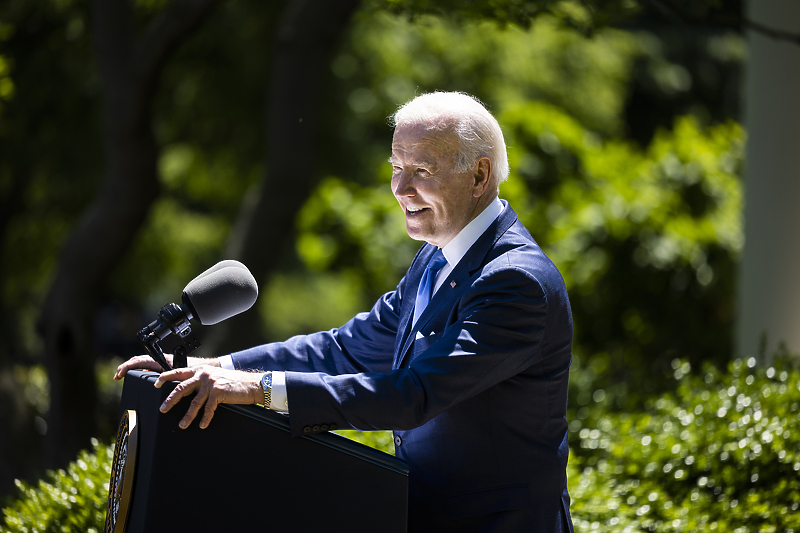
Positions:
(224, 290)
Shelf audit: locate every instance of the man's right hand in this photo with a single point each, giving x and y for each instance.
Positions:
(145, 362)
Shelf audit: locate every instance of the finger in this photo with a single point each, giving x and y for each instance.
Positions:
(140, 361)
(123, 368)
(194, 407)
(180, 374)
(184, 388)
(208, 413)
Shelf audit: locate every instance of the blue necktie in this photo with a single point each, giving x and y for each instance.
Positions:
(426, 284)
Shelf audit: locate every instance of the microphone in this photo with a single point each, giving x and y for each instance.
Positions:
(224, 290)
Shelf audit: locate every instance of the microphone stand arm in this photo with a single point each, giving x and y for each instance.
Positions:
(150, 342)
(172, 319)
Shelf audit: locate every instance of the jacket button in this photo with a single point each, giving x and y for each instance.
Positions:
(334, 427)
(398, 440)
(323, 427)
(315, 429)
(307, 429)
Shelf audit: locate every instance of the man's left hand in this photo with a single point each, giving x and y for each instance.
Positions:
(213, 386)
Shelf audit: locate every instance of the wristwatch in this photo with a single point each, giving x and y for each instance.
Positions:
(266, 384)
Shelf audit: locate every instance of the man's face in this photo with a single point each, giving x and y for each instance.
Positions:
(438, 201)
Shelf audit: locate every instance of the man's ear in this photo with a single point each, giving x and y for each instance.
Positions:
(482, 176)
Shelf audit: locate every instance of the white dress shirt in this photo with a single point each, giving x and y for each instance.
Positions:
(453, 251)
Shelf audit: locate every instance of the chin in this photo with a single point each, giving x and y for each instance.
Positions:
(421, 234)
(415, 232)
(416, 236)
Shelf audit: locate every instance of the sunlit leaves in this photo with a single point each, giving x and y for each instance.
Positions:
(585, 16)
(290, 303)
(349, 225)
(176, 244)
(74, 499)
(721, 453)
(677, 197)
(6, 83)
(387, 60)
(634, 231)
(394, 59)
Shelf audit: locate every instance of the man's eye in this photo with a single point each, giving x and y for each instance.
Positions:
(423, 171)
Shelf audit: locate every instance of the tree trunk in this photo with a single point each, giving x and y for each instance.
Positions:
(308, 33)
(129, 70)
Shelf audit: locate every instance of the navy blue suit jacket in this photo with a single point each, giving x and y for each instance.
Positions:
(475, 391)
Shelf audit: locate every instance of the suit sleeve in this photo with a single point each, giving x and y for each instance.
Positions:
(499, 327)
(364, 344)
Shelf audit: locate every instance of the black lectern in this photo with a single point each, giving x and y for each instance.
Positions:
(245, 473)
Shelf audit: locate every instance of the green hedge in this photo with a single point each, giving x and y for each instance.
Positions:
(719, 453)
(65, 501)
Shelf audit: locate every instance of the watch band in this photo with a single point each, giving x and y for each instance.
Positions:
(266, 384)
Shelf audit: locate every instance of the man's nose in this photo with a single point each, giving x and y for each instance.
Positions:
(403, 184)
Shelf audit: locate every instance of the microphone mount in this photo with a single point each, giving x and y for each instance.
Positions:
(222, 291)
(172, 320)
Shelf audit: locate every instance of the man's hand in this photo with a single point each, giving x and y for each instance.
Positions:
(213, 386)
(145, 362)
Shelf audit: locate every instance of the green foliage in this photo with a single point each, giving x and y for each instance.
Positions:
(351, 222)
(721, 453)
(301, 312)
(380, 440)
(585, 15)
(646, 239)
(212, 149)
(34, 385)
(49, 133)
(6, 83)
(205, 117)
(176, 244)
(74, 499)
(387, 60)
(348, 225)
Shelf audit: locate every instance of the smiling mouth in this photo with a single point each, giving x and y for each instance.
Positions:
(415, 210)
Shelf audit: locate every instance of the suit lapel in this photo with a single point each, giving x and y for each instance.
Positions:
(456, 282)
(413, 277)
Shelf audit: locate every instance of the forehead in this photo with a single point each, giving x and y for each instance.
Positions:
(419, 141)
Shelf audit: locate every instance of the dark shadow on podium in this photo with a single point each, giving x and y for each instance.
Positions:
(246, 473)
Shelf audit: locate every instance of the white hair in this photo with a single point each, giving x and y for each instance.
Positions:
(477, 131)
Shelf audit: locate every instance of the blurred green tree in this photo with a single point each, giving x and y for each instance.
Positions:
(646, 238)
(129, 66)
(182, 151)
(53, 126)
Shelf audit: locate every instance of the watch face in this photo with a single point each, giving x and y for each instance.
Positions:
(266, 385)
(122, 469)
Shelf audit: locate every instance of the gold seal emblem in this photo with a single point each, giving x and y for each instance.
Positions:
(122, 470)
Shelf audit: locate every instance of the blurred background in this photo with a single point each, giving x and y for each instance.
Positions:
(141, 142)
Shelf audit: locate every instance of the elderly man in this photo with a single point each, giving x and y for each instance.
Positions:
(467, 361)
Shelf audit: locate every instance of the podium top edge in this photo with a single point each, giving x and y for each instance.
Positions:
(281, 421)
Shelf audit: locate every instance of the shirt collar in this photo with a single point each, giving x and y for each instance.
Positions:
(461, 243)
